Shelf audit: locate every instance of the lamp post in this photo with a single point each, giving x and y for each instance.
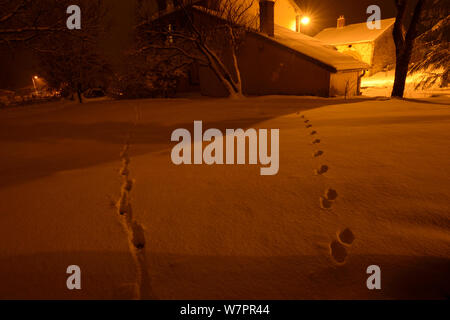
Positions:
(305, 20)
(34, 83)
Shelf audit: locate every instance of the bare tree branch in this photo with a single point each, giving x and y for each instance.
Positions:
(216, 37)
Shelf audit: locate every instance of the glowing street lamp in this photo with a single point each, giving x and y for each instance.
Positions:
(305, 20)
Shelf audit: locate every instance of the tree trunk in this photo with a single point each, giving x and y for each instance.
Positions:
(235, 63)
(80, 99)
(401, 71)
(404, 44)
(444, 83)
(221, 71)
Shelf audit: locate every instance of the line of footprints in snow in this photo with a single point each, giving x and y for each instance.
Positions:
(344, 238)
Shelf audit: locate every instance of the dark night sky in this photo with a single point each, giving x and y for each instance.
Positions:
(17, 67)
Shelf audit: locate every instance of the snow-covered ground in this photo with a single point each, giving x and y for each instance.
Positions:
(225, 231)
(381, 83)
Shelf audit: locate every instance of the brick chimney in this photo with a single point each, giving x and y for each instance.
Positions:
(266, 16)
(341, 22)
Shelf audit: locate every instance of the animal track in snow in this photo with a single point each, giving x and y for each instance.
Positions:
(323, 169)
(325, 203)
(133, 229)
(338, 252)
(338, 249)
(331, 194)
(138, 235)
(318, 153)
(123, 205)
(124, 171)
(128, 185)
(346, 237)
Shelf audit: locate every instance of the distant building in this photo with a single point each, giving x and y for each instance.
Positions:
(373, 46)
(274, 59)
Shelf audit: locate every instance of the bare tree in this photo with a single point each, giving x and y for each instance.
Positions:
(25, 20)
(209, 35)
(404, 42)
(71, 60)
(431, 54)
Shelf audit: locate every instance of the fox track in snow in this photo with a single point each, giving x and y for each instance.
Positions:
(339, 247)
(344, 239)
(134, 230)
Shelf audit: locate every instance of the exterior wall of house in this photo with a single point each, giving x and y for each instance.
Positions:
(384, 52)
(344, 83)
(362, 51)
(268, 68)
(210, 85)
(379, 54)
(285, 14)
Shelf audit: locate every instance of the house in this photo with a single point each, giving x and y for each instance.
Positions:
(274, 59)
(375, 47)
(297, 64)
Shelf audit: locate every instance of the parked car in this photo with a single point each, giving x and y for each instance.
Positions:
(94, 93)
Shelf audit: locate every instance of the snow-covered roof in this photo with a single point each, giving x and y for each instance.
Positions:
(353, 33)
(319, 51)
(316, 50)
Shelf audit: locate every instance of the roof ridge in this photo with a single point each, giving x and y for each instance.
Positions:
(355, 24)
(354, 33)
(311, 42)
